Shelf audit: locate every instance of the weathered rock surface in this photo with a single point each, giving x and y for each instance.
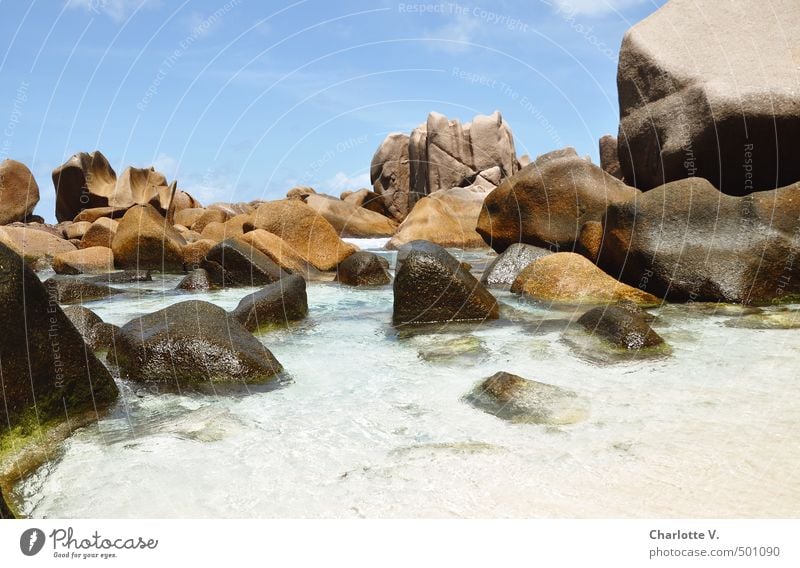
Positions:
(351, 220)
(197, 280)
(430, 285)
(278, 303)
(94, 260)
(34, 245)
(513, 398)
(144, 240)
(84, 321)
(693, 102)
(504, 269)
(100, 233)
(232, 263)
(362, 268)
(687, 241)
(19, 192)
(609, 160)
(621, 326)
(547, 203)
(389, 173)
(307, 232)
(46, 368)
(570, 277)
(66, 290)
(189, 344)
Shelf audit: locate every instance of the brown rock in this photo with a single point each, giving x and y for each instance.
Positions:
(93, 260)
(34, 245)
(389, 173)
(92, 215)
(100, 233)
(19, 192)
(145, 240)
(570, 277)
(305, 231)
(188, 217)
(209, 216)
(300, 193)
(590, 240)
(85, 181)
(277, 249)
(609, 160)
(77, 230)
(351, 220)
(194, 253)
(547, 203)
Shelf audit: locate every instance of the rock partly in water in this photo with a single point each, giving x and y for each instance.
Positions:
(84, 321)
(191, 344)
(686, 241)
(94, 260)
(504, 269)
(546, 203)
(432, 286)
(519, 400)
(570, 277)
(66, 290)
(48, 372)
(146, 241)
(623, 327)
(197, 280)
(279, 303)
(122, 277)
(231, 263)
(693, 104)
(19, 192)
(362, 268)
(772, 319)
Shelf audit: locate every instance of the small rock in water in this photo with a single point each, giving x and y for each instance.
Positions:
(276, 304)
(783, 319)
(621, 326)
(197, 279)
(68, 290)
(438, 349)
(122, 277)
(502, 272)
(516, 399)
(363, 268)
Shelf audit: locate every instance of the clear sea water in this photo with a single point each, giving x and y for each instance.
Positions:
(371, 423)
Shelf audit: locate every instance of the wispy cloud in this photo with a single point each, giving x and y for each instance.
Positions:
(117, 10)
(341, 182)
(592, 7)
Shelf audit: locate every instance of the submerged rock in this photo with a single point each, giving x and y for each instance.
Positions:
(448, 349)
(781, 319)
(48, 373)
(622, 326)
(431, 286)
(65, 290)
(504, 269)
(362, 269)
(191, 343)
(276, 304)
(513, 398)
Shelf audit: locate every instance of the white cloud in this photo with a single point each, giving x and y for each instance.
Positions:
(592, 7)
(117, 10)
(341, 182)
(167, 165)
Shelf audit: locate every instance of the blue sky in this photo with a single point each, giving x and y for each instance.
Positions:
(244, 99)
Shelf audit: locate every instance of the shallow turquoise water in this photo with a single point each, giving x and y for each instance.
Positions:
(372, 423)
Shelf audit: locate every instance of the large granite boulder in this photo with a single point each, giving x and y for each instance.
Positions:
(712, 93)
(609, 158)
(571, 278)
(307, 232)
(388, 174)
(100, 233)
(48, 372)
(36, 246)
(19, 192)
(278, 303)
(547, 202)
(278, 250)
(687, 241)
(351, 220)
(432, 286)
(191, 344)
(145, 240)
(86, 322)
(232, 263)
(93, 260)
(504, 269)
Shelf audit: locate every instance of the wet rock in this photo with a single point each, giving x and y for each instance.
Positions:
(84, 321)
(307, 232)
(777, 319)
(570, 277)
(687, 241)
(513, 398)
(190, 344)
(279, 303)
(432, 286)
(504, 269)
(449, 349)
(94, 260)
(194, 253)
(19, 192)
(66, 290)
(362, 268)
(197, 280)
(145, 241)
(47, 370)
(5, 510)
(621, 326)
(231, 263)
(103, 336)
(692, 106)
(122, 277)
(546, 203)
